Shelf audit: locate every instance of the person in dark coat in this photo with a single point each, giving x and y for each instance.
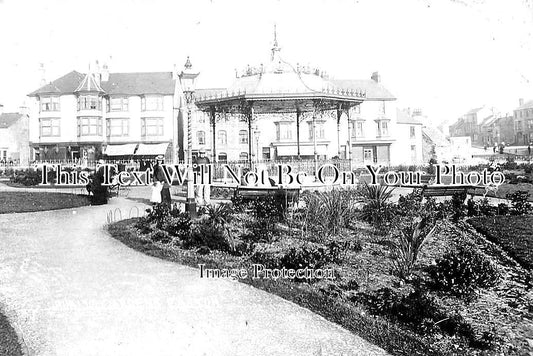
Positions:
(202, 191)
(159, 176)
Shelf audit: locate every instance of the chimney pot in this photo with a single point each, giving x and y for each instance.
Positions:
(521, 101)
(376, 77)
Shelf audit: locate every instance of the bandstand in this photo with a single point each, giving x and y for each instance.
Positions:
(281, 88)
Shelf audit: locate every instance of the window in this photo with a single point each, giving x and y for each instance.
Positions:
(118, 127)
(357, 109)
(89, 102)
(152, 126)
(117, 104)
(50, 103)
(89, 126)
(412, 132)
(222, 137)
(319, 130)
(243, 137)
(357, 129)
(383, 128)
(200, 136)
(243, 156)
(152, 103)
(50, 127)
(283, 131)
(222, 157)
(413, 153)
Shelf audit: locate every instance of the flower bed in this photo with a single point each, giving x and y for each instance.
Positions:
(411, 281)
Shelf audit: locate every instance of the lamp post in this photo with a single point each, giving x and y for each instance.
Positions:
(187, 78)
(257, 132)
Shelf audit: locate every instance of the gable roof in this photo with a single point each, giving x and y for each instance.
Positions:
(8, 119)
(136, 83)
(374, 90)
(63, 85)
(140, 83)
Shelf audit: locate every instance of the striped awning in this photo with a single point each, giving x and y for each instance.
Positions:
(154, 149)
(120, 150)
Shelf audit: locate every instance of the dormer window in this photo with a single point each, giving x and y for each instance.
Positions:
(152, 103)
(89, 102)
(118, 104)
(50, 103)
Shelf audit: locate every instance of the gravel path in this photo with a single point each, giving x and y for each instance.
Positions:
(73, 290)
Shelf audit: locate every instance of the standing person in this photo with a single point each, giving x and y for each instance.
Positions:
(203, 191)
(529, 149)
(159, 176)
(494, 148)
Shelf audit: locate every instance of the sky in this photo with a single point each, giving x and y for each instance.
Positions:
(443, 56)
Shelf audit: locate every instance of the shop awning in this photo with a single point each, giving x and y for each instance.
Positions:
(304, 150)
(120, 150)
(153, 149)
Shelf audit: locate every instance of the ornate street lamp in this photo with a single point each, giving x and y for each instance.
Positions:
(187, 78)
(257, 132)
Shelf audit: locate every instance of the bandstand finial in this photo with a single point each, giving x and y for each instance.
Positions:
(275, 46)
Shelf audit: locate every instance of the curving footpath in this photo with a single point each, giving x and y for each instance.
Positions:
(72, 290)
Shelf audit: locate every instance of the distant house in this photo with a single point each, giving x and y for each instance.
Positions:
(470, 125)
(523, 122)
(14, 137)
(436, 145)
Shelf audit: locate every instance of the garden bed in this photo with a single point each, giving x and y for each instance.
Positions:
(21, 202)
(513, 233)
(406, 311)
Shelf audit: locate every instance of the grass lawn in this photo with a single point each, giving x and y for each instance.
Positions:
(513, 233)
(9, 344)
(20, 202)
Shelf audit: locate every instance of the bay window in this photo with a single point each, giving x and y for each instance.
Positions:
(89, 126)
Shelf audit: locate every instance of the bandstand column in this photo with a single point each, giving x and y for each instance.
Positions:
(250, 119)
(339, 115)
(349, 140)
(298, 115)
(212, 117)
(314, 144)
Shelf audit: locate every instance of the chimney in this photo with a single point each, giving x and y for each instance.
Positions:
(42, 72)
(520, 101)
(105, 73)
(376, 77)
(175, 72)
(97, 73)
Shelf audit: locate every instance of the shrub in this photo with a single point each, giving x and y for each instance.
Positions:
(30, 177)
(329, 211)
(309, 255)
(463, 271)
(377, 210)
(503, 209)
(519, 202)
(177, 226)
(160, 236)
(411, 235)
(458, 206)
(205, 234)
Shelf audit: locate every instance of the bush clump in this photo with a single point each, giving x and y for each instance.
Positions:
(462, 271)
